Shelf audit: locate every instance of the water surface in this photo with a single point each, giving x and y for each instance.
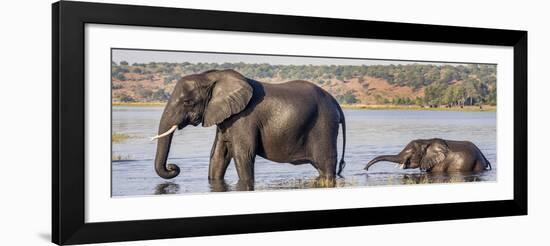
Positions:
(369, 133)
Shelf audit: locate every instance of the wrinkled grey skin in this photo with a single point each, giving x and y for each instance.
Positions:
(438, 155)
(294, 122)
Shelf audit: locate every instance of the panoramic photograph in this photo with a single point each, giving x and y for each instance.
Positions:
(188, 122)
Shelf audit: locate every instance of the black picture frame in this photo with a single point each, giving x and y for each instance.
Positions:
(68, 122)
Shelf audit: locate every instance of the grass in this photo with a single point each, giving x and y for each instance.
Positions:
(485, 108)
(313, 182)
(140, 104)
(119, 137)
(437, 180)
(119, 157)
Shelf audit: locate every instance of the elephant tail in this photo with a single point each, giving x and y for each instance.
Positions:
(489, 167)
(342, 163)
(488, 164)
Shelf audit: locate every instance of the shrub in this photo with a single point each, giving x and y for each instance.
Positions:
(347, 98)
(137, 70)
(160, 95)
(126, 98)
(120, 76)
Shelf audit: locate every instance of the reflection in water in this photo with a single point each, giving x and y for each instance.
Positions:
(221, 185)
(218, 185)
(302, 183)
(369, 133)
(244, 185)
(294, 183)
(321, 182)
(425, 178)
(429, 178)
(167, 188)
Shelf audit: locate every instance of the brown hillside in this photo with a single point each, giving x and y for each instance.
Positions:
(367, 90)
(370, 90)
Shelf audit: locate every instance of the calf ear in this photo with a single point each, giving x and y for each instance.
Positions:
(435, 152)
(230, 94)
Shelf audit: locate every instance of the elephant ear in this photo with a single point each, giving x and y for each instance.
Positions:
(435, 152)
(230, 93)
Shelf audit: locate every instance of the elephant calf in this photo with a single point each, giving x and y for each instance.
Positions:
(294, 122)
(438, 155)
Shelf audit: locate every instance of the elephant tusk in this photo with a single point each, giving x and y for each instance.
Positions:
(170, 131)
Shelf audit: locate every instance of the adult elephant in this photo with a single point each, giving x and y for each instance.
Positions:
(294, 122)
(438, 155)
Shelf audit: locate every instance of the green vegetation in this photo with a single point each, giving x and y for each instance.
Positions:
(428, 179)
(433, 85)
(347, 98)
(126, 98)
(119, 157)
(431, 180)
(119, 137)
(140, 104)
(310, 182)
(486, 108)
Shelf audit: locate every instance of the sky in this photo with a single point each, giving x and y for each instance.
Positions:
(146, 56)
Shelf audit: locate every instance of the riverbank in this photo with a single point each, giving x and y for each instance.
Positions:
(484, 108)
(139, 104)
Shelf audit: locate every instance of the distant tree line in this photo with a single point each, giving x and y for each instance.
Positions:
(470, 84)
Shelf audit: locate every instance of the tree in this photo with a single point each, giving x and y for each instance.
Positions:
(160, 95)
(137, 70)
(419, 101)
(347, 98)
(145, 93)
(120, 76)
(472, 93)
(442, 84)
(450, 95)
(169, 79)
(434, 93)
(492, 97)
(126, 98)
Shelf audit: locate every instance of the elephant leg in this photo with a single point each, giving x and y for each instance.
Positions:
(218, 185)
(325, 158)
(244, 163)
(324, 154)
(326, 168)
(220, 156)
(245, 185)
(244, 146)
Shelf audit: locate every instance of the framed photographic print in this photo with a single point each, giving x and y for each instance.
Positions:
(176, 122)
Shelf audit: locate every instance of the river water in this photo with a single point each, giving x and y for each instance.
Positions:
(369, 133)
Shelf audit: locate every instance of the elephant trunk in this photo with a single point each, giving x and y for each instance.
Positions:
(166, 132)
(390, 158)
